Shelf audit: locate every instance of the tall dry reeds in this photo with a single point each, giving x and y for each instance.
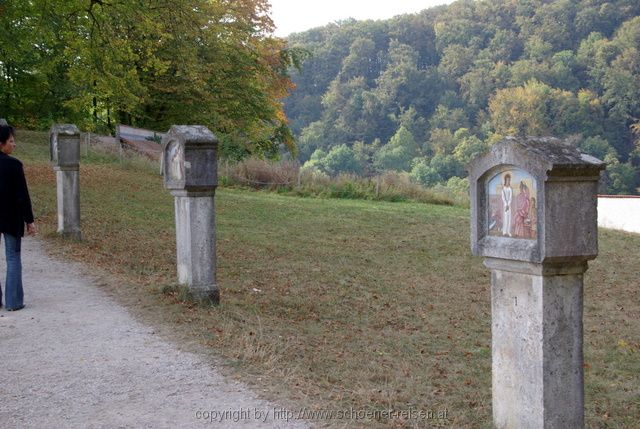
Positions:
(259, 174)
(288, 178)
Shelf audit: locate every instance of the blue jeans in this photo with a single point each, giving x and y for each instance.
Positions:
(14, 295)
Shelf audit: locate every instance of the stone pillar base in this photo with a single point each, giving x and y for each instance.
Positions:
(537, 344)
(196, 244)
(206, 295)
(68, 195)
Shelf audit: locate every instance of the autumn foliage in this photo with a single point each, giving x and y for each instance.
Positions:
(151, 63)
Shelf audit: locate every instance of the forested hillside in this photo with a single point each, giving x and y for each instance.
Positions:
(425, 93)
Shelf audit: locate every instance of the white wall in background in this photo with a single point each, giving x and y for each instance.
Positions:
(619, 212)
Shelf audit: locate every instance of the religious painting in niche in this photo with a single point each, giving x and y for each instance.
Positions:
(513, 205)
(53, 148)
(175, 157)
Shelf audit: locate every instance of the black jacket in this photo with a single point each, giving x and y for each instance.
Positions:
(15, 204)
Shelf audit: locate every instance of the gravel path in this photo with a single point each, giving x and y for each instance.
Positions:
(75, 358)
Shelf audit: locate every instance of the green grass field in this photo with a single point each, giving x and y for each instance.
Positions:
(338, 304)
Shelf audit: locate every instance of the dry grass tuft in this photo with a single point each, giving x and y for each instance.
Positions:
(261, 174)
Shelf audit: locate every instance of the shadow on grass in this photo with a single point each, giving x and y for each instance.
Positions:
(184, 295)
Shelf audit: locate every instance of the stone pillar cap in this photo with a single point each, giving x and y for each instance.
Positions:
(553, 219)
(194, 134)
(64, 146)
(67, 129)
(549, 155)
(189, 154)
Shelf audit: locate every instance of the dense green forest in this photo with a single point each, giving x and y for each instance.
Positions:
(148, 63)
(424, 93)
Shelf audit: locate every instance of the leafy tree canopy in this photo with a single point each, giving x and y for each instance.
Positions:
(151, 63)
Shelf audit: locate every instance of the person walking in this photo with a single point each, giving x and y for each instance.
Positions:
(15, 212)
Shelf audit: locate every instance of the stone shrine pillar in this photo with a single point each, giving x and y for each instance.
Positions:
(191, 174)
(534, 220)
(64, 145)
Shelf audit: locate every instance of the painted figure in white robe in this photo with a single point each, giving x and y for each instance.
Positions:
(507, 196)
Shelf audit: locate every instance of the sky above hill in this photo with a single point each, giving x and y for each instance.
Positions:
(291, 16)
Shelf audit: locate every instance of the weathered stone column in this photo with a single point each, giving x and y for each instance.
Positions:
(190, 173)
(64, 145)
(534, 219)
